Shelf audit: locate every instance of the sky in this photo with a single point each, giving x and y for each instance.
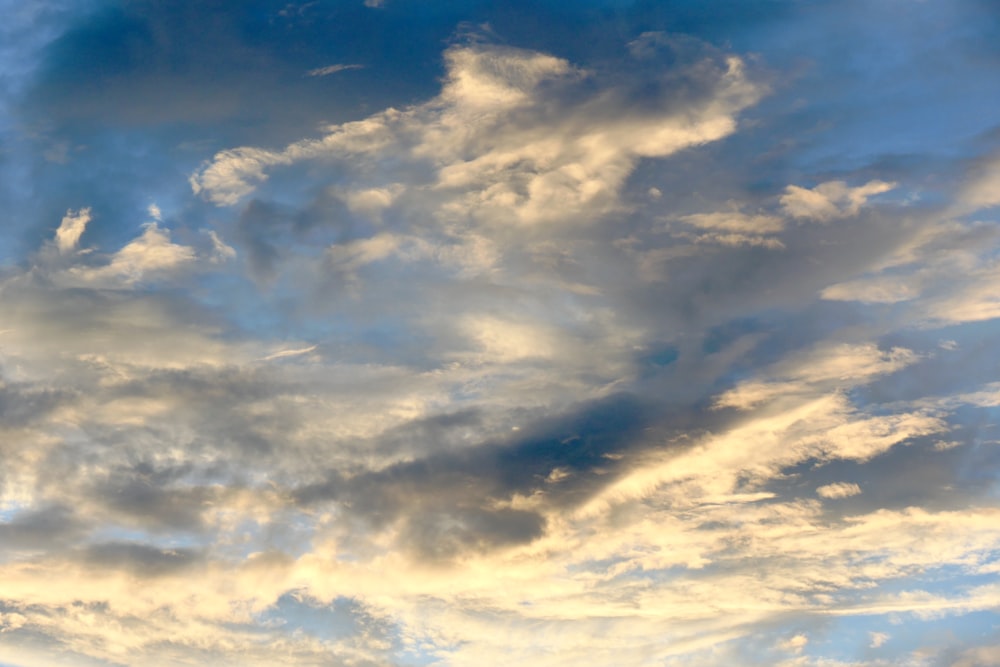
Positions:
(400, 333)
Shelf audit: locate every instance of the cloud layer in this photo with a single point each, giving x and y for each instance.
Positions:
(607, 344)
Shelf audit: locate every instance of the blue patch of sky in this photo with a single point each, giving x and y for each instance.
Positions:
(421, 655)
(871, 78)
(342, 618)
(849, 638)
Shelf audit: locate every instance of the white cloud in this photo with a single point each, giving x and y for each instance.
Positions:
(878, 639)
(942, 275)
(822, 368)
(794, 644)
(830, 200)
(221, 251)
(732, 229)
(883, 289)
(294, 352)
(838, 490)
(71, 229)
(504, 340)
(798, 428)
(352, 256)
(150, 254)
(505, 147)
(371, 200)
(735, 221)
(972, 297)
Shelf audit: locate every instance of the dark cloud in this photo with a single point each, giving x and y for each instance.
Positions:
(141, 559)
(21, 403)
(579, 441)
(447, 500)
(444, 533)
(145, 496)
(42, 529)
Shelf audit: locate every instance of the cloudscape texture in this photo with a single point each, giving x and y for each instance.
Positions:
(617, 333)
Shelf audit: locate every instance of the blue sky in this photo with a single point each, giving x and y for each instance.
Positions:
(390, 333)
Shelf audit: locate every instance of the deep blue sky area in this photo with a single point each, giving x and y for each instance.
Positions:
(391, 333)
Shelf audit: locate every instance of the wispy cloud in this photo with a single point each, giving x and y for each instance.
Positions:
(332, 69)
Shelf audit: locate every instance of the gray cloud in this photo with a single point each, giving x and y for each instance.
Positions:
(140, 559)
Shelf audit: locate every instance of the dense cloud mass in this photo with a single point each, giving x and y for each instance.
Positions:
(394, 333)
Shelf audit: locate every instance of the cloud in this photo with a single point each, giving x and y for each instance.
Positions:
(794, 644)
(938, 277)
(822, 368)
(332, 69)
(981, 189)
(830, 200)
(734, 221)
(221, 250)
(282, 354)
(878, 639)
(546, 137)
(733, 228)
(150, 256)
(874, 290)
(546, 358)
(838, 490)
(71, 229)
(150, 253)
